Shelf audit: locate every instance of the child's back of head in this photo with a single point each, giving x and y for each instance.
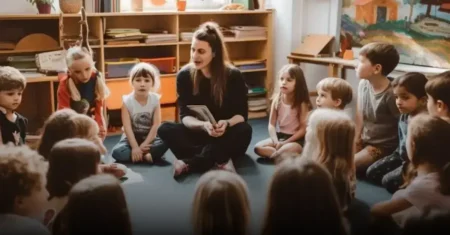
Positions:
(379, 54)
(96, 205)
(428, 139)
(438, 88)
(221, 204)
(56, 128)
(333, 93)
(22, 182)
(70, 161)
(300, 195)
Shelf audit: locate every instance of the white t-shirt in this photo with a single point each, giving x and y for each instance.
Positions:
(141, 115)
(422, 193)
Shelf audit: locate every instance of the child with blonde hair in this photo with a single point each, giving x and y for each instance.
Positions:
(329, 141)
(141, 117)
(333, 93)
(411, 99)
(289, 111)
(13, 126)
(70, 161)
(221, 204)
(83, 87)
(302, 199)
(23, 196)
(427, 148)
(96, 205)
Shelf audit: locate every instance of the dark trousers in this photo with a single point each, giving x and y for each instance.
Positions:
(201, 151)
(122, 150)
(387, 172)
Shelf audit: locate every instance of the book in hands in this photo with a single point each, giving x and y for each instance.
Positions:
(203, 113)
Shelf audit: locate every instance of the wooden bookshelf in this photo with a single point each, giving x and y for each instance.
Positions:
(42, 90)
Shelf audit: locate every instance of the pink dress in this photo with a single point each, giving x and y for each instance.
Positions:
(288, 119)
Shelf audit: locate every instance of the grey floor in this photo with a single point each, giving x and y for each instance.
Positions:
(161, 205)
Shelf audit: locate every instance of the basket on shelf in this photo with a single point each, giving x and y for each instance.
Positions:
(70, 6)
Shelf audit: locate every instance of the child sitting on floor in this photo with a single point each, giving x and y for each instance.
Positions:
(376, 112)
(289, 111)
(221, 204)
(141, 117)
(13, 126)
(96, 205)
(70, 161)
(427, 147)
(409, 90)
(330, 140)
(23, 196)
(333, 93)
(302, 199)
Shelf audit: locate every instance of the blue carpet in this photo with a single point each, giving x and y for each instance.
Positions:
(161, 205)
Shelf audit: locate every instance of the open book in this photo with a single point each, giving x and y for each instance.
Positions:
(203, 113)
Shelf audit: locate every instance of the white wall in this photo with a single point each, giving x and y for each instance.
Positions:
(22, 7)
(298, 18)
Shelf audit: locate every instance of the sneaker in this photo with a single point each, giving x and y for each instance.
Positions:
(179, 167)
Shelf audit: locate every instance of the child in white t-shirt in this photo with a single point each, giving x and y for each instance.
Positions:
(141, 117)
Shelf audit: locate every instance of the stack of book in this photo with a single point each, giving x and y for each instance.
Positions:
(160, 38)
(252, 64)
(248, 31)
(186, 36)
(115, 36)
(257, 102)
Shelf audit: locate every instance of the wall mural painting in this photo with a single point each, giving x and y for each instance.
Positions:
(420, 29)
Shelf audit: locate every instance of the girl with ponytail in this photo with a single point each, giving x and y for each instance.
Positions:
(83, 87)
(427, 148)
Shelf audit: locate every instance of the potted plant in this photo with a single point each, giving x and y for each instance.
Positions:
(43, 6)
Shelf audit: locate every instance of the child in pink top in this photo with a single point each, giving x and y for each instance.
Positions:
(289, 111)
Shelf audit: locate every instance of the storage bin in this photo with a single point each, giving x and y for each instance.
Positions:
(116, 68)
(168, 114)
(168, 90)
(118, 88)
(164, 64)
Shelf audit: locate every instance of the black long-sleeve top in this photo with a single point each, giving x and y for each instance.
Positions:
(234, 100)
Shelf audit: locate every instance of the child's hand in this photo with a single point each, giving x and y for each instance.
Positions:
(279, 145)
(136, 154)
(145, 148)
(102, 133)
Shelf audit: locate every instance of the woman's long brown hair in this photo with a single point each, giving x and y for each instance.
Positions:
(210, 33)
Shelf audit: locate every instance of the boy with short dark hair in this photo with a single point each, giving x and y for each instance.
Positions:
(438, 92)
(13, 126)
(376, 112)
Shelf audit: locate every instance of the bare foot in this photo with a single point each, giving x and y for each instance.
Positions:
(227, 166)
(148, 158)
(179, 167)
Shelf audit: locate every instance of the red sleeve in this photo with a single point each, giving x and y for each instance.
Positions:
(63, 98)
(98, 114)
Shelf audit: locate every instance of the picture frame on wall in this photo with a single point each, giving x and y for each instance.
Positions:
(419, 29)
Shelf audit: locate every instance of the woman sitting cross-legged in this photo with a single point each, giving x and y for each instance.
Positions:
(208, 80)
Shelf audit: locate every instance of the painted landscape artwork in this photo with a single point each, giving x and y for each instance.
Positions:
(419, 29)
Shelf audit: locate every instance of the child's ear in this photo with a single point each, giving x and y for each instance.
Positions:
(378, 68)
(441, 106)
(337, 102)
